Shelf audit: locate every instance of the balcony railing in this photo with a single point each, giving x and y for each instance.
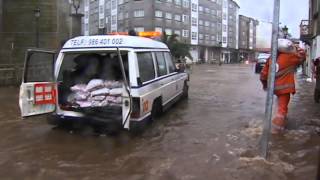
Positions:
(305, 30)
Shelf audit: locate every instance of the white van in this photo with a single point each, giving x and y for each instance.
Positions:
(118, 79)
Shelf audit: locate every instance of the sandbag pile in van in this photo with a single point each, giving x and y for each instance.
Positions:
(97, 93)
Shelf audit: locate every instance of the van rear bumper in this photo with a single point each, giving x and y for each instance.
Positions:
(56, 119)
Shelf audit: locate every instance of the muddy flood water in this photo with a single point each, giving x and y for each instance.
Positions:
(214, 134)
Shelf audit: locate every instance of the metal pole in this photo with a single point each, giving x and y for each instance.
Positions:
(271, 80)
(37, 31)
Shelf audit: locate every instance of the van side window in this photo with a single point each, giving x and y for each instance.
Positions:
(146, 66)
(161, 63)
(169, 61)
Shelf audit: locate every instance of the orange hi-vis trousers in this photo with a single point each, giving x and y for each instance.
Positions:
(280, 119)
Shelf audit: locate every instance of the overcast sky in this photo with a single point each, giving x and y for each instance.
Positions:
(291, 12)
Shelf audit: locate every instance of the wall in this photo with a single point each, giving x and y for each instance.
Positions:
(18, 32)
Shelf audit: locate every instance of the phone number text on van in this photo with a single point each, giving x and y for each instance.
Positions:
(96, 42)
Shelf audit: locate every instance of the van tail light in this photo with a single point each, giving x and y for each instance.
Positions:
(135, 108)
(45, 93)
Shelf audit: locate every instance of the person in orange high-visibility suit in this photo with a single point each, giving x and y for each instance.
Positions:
(284, 84)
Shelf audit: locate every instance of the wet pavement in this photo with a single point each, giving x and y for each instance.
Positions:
(213, 135)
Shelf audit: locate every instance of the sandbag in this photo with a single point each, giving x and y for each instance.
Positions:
(116, 91)
(94, 84)
(84, 104)
(286, 46)
(78, 87)
(99, 92)
(112, 84)
(97, 98)
(81, 96)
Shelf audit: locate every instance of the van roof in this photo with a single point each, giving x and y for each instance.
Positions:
(113, 41)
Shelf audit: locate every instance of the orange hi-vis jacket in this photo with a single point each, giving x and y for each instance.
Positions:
(286, 66)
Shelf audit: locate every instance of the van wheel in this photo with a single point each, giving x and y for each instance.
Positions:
(185, 93)
(156, 109)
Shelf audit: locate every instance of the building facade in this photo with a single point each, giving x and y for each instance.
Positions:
(18, 32)
(210, 27)
(247, 37)
(310, 34)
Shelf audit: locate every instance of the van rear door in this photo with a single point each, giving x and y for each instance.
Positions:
(126, 97)
(38, 88)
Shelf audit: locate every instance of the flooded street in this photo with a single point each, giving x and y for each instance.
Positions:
(212, 135)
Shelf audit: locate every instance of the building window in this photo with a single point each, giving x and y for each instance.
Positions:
(200, 8)
(219, 26)
(169, 1)
(177, 17)
(185, 33)
(139, 29)
(177, 2)
(194, 36)
(113, 4)
(101, 23)
(120, 2)
(158, 14)
(207, 37)
(168, 31)
(168, 16)
(158, 29)
(177, 32)
(200, 36)
(185, 3)
(224, 28)
(194, 7)
(138, 13)
(114, 19)
(213, 12)
(185, 18)
(194, 21)
(207, 10)
(207, 23)
(224, 39)
(120, 16)
(200, 22)
(224, 16)
(213, 38)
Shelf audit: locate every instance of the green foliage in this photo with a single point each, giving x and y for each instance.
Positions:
(177, 48)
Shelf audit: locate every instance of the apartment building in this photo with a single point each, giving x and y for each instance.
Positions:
(247, 37)
(209, 26)
(310, 34)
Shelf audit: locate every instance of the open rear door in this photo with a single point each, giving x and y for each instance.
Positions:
(38, 88)
(126, 97)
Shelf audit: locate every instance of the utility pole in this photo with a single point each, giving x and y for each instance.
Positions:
(271, 80)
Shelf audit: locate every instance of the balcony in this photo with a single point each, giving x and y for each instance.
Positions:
(306, 31)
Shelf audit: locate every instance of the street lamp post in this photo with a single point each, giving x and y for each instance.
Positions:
(76, 5)
(37, 13)
(285, 32)
(75, 25)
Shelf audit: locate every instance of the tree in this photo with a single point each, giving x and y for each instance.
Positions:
(178, 49)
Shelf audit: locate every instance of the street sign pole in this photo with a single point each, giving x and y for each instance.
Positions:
(271, 80)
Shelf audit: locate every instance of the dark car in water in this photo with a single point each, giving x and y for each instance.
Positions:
(261, 62)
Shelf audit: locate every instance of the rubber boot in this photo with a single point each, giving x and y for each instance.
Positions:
(278, 124)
